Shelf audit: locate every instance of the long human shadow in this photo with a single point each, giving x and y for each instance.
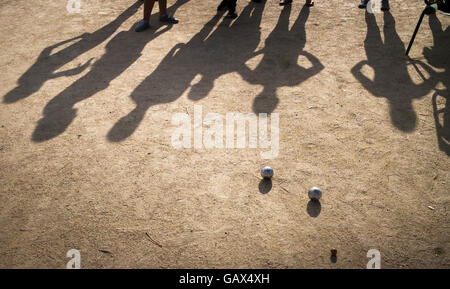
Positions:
(438, 56)
(279, 66)
(391, 79)
(121, 52)
(209, 54)
(47, 63)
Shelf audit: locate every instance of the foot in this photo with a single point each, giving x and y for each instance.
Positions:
(257, 1)
(168, 18)
(231, 15)
(309, 3)
(142, 25)
(285, 2)
(363, 4)
(444, 8)
(385, 5)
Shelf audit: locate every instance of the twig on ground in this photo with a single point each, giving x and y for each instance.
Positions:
(153, 241)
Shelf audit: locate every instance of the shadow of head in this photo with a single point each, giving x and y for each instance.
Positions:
(19, 93)
(265, 186)
(313, 208)
(403, 115)
(265, 104)
(53, 125)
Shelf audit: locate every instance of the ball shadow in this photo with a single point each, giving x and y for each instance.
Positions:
(313, 208)
(265, 185)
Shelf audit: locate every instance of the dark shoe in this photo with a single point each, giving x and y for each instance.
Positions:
(309, 3)
(285, 2)
(168, 18)
(444, 7)
(231, 15)
(142, 25)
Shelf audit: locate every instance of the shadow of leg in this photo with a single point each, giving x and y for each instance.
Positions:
(402, 114)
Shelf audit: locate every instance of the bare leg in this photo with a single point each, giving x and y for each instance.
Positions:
(285, 2)
(148, 7)
(163, 16)
(162, 7)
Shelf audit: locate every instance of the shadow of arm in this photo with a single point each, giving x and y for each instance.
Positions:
(48, 50)
(356, 71)
(317, 66)
(73, 71)
(247, 73)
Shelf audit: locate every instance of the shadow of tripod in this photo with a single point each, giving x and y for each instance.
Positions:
(438, 56)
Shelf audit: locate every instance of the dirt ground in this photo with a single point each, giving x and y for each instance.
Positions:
(86, 159)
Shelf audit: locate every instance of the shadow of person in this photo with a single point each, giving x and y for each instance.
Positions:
(392, 80)
(121, 52)
(279, 65)
(438, 56)
(313, 208)
(47, 63)
(265, 186)
(209, 54)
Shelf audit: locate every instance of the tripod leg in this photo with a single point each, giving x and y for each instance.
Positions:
(415, 31)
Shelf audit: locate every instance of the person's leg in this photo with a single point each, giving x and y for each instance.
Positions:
(385, 5)
(145, 22)
(148, 7)
(232, 5)
(162, 7)
(231, 9)
(222, 5)
(285, 2)
(363, 4)
(164, 17)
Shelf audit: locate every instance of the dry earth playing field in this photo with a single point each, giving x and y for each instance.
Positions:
(87, 162)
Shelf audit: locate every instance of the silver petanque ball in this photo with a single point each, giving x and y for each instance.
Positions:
(315, 193)
(267, 172)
